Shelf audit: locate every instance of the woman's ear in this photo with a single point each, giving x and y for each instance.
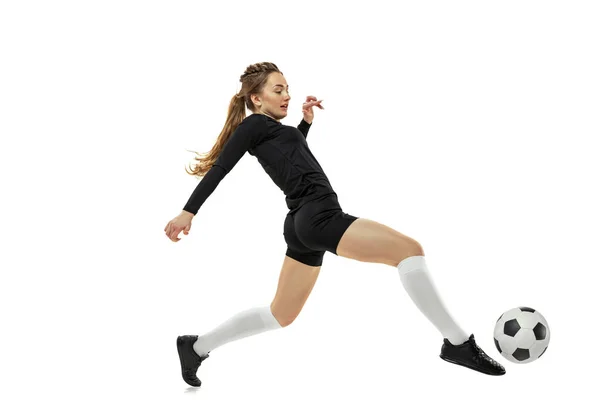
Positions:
(255, 100)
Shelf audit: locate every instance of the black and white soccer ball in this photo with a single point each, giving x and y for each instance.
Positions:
(521, 335)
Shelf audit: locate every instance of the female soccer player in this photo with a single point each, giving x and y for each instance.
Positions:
(314, 224)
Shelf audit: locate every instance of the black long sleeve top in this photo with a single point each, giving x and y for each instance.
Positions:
(283, 153)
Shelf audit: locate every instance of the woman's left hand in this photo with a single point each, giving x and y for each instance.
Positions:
(307, 110)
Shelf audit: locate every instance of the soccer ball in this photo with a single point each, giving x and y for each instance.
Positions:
(521, 335)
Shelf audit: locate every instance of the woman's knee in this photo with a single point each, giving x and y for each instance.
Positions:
(406, 247)
(413, 248)
(284, 317)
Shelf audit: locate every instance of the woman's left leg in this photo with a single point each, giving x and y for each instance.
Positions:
(370, 241)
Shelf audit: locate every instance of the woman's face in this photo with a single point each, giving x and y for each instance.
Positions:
(274, 95)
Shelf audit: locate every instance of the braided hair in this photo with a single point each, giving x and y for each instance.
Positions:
(253, 81)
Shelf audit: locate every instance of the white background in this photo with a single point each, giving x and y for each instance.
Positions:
(471, 126)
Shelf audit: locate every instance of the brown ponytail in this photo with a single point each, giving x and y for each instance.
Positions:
(253, 81)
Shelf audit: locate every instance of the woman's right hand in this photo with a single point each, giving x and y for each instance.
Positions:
(182, 222)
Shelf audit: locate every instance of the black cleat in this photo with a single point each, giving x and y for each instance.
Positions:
(189, 359)
(471, 356)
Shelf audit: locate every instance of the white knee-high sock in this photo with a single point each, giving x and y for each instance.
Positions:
(246, 323)
(421, 289)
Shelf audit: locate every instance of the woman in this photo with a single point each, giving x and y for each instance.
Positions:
(314, 224)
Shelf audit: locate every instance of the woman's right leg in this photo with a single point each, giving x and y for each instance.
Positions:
(301, 266)
(296, 282)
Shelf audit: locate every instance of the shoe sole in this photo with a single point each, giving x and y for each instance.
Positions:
(180, 344)
(470, 367)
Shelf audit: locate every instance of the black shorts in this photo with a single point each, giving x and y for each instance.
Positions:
(314, 228)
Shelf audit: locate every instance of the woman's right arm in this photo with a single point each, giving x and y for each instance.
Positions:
(242, 139)
(207, 185)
